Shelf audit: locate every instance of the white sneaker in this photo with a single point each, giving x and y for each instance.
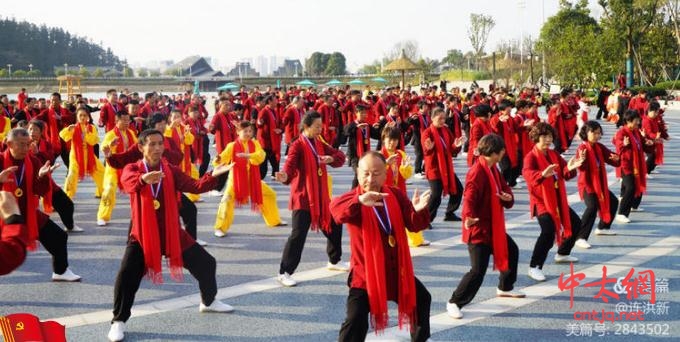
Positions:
(339, 266)
(220, 233)
(420, 175)
(559, 258)
(536, 273)
(637, 209)
(453, 311)
(286, 280)
(582, 243)
(101, 223)
(650, 176)
(216, 306)
(67, 276)
(599, 231)
(215, 193)
(425, 243)
(621, 219)
(117, 331)
(201, 242)
(510, 294)
(655, 171)
(76, 229)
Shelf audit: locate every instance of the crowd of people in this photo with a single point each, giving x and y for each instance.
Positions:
(156, 148)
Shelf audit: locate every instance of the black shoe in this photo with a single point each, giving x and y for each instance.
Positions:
(452, 217)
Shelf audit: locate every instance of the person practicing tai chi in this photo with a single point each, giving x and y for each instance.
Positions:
(484, 199)
(154, 186)
(381, 267)
(82, 161)
(244, 183)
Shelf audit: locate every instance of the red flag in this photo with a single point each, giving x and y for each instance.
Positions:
(21, 327)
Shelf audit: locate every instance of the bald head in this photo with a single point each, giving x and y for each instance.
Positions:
(371, 171)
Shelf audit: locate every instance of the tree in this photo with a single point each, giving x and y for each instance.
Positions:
(336, 65)
(409, 47)
(672, 8)
(84, 72)
(142, 72)
(478, 32)
(127, 72)
(99, 73)
(454, 58)
(34, 73)
(315, 65)
(3, 73)
(154, 73)
(630, 19)
(370, 69)
(19, 73)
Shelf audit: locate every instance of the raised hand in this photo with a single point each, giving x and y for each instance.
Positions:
(626, 141)
(420, 201)
(549, 171)
(428, 144)
(153, 177)
(576, 161)
(281, 176)
(504, 196)
(222, 169)
(471, 221)
(326, 159)
(114, 142)
(460, 141)
(614, 157)
(372, 198)
(47, 169)
(391, 159)
(406, 161)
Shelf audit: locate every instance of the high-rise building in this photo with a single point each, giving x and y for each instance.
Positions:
(262, 65)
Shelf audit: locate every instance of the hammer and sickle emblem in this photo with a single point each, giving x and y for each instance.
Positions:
(20, 326)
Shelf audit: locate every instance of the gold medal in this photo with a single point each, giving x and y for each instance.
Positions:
(365, 141)
(557, 185)
(18, 192)
(156, 204)
(320, 172)
(392, 241)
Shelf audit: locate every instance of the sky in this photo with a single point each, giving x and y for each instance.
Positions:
(230, 31)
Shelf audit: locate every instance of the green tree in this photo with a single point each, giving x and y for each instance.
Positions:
(19, 73)
(3, 73)
(154, 73)
(59, 72)
(127, 72)
(478, 32)
(84, 72)
(370, 69)
(143, 72)
(34, 73)
(336, 64)
(454, 58)
(316, 64)
(99, 73)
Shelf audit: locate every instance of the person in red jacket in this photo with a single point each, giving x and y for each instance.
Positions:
(481, 126)
(545, 172)
(381, 267)
(223, 125)
(306, 172)
(107, 114)
(21, 98)
(652, 129)
(269, 135)
(439, 148)
(486, 194)
(504, 125)
(592, 183)
(631, 147)
(13, 233)
(153, 185)
(292, 120)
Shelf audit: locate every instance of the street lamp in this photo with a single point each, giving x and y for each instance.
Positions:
(80, 69)
(9, 66)
(30, 67)
(65, 69)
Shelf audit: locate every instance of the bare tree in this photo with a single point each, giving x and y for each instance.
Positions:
(410, 48)
(673, 11)
(478, 32)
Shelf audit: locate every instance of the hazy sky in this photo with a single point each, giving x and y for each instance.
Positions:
(229, 31)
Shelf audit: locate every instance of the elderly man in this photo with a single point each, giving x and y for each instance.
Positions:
(381, 267)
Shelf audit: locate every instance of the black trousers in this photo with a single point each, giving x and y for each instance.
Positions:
(54, 240)
(418, 149)
(479, 262)
(600, 111)
(511, 173)
(189, 214)
(355, 327)
(269, 159)
(222, 181)
(196, 260)
(547, 237)
(628, 198)
(205, 162)
(651, 162)
(589, 215)
(292, 251)
(436, 198)
(63, 205)
(65, 150)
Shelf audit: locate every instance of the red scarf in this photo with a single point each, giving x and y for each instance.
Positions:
(361, 147)
(120, 148)
(510, 136)
(197, 146)
(498, 235)
(444, 161)
(394, 177)
(316, 184)
(186, 161)
(374, 261)
(551, 188)
(31, 200)
(4, 120)
(146, 231)
(639, 165)
(247, 183)
(52, 131)
(598, 174)
(78, 144)
(223, 135)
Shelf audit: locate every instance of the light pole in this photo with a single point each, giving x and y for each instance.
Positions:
(65, 69)
(9, 66)
(30, 67)
(80, 69)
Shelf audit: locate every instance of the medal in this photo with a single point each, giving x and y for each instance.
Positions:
(18, 192)
(386, 226)
(318, 159)
(392, 241)
(320, 172)
(556, 186)
(156, 204)
(365, 141)
(155, 191)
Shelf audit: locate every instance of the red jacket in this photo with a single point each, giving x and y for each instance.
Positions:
(292, 121)
(299, 199)
(431, 164)
(532, 174)
(347, 209)
(477, 204)
(585, 179)
(107, 115)
(626, 152)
